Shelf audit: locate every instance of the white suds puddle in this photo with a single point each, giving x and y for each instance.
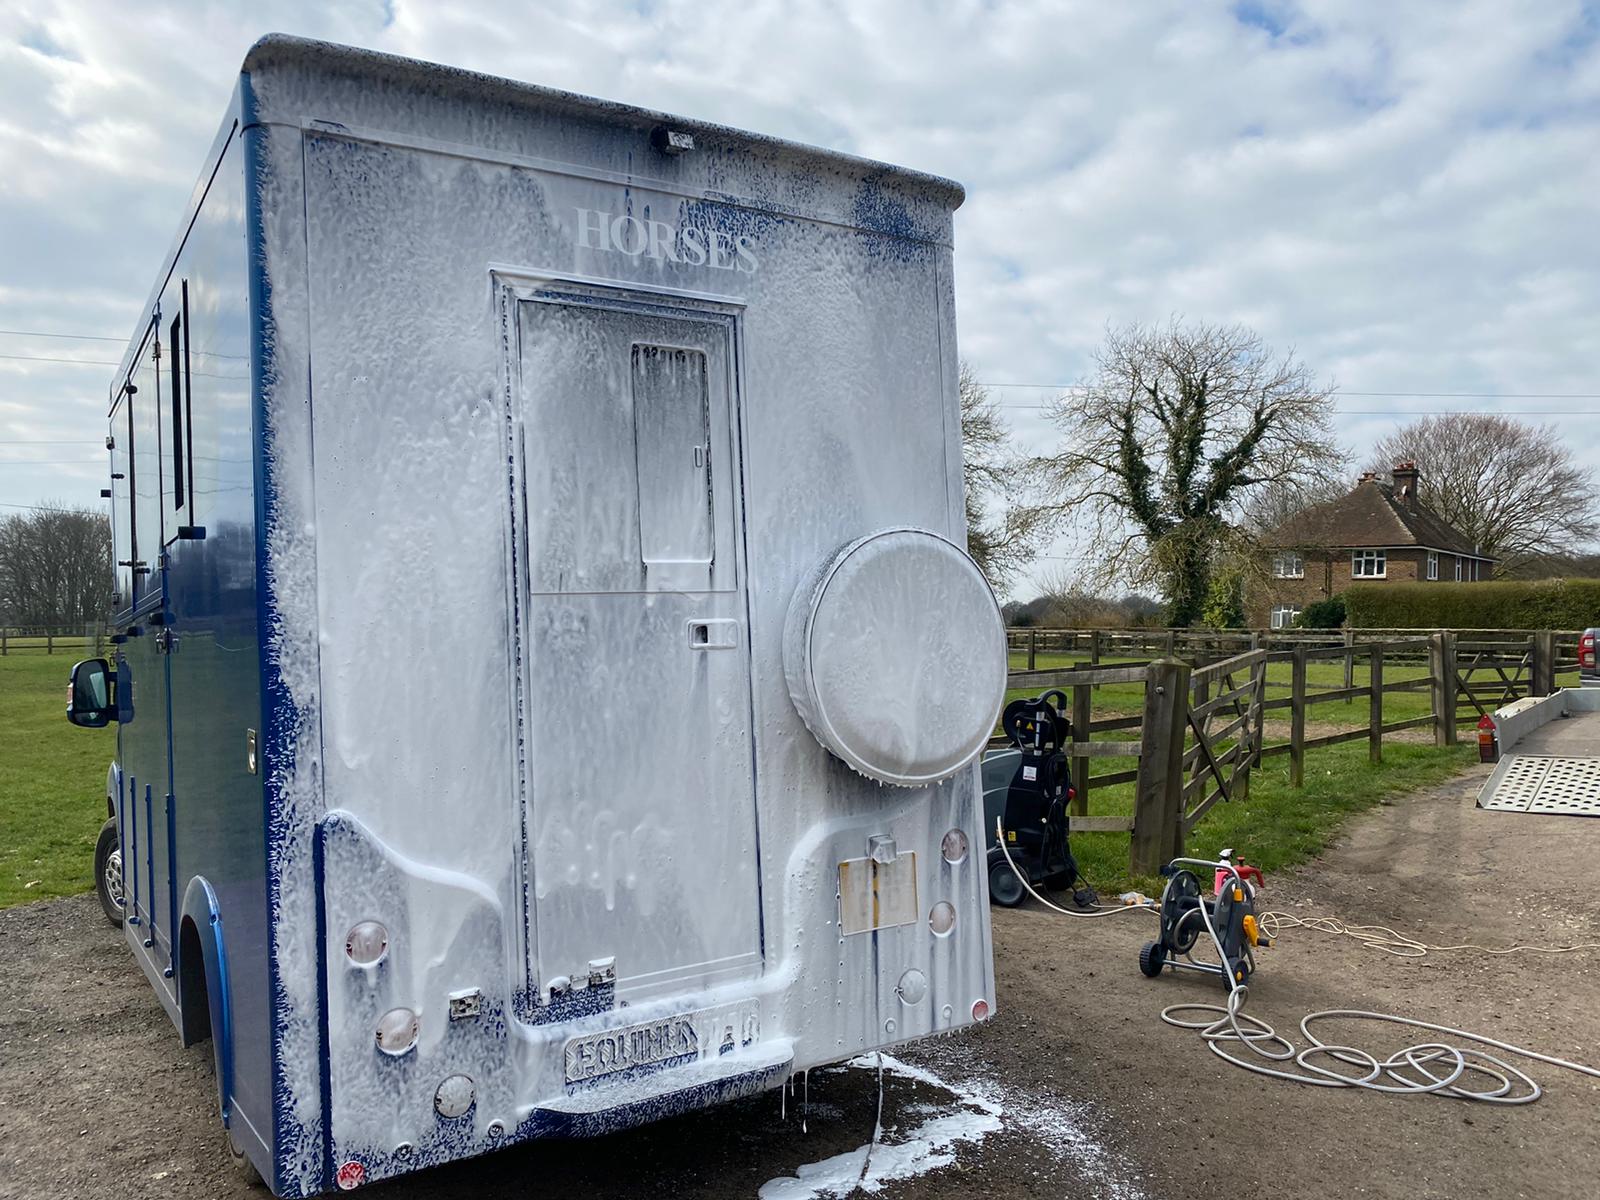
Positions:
(979, 1107)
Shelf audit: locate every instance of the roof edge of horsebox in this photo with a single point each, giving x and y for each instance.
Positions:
(337, 63)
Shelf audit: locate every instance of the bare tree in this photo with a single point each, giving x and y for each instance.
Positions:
(1514, 488)
(1003, 530)
(55, 567)
(1180, 426)
(1271, 506)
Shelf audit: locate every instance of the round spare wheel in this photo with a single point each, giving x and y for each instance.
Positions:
(895, 655)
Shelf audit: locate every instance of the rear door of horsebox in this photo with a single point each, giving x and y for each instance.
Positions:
(639, 802)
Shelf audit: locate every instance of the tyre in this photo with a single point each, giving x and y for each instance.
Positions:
(1152, 958)
(1005, 887)
(108, 873)
(242, 1164)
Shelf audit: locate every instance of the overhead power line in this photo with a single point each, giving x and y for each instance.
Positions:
(71, 337)
(76, 362)
(1079, 387)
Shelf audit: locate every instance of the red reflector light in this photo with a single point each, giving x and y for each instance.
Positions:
(1586, 650)
(980, 1010)
(351, 1175)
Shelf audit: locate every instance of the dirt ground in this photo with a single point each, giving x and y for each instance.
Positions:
(1075, 1089)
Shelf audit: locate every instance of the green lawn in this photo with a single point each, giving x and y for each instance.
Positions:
(1278, 825)
(52, 781)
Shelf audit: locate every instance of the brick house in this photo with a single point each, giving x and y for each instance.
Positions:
(1378, 533)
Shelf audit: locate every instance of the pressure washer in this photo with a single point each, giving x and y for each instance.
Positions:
(1032, 810)
(1185, 913)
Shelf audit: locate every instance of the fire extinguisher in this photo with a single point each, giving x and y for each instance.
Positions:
(1488, 741)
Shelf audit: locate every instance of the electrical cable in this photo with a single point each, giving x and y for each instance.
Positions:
(1220, 1025)
(1102, 910)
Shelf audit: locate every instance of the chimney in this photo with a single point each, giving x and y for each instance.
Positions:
(1406, 477)
(1366, 477)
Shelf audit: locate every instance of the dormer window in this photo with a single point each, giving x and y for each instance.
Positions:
(1289, 565)
(1369, 564)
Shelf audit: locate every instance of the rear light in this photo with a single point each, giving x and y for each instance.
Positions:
(366, 943)
(954, 847)
(942, 918)
(1586, 652)
(351, 1175)
(397, 1031)
(913, 987)
(980, 1010)
(454, 1097)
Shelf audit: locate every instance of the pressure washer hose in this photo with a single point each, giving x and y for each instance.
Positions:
(1441, 1065)
(1223, 1023)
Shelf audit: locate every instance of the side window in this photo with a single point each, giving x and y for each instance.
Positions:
(121, 498)
(176, 394)
(144, 477)
(672, 443)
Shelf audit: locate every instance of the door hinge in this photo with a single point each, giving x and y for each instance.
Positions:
(166, 642)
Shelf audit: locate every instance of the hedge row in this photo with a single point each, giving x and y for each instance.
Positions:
(1535, 604)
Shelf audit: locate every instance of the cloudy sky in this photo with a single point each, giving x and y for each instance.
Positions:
(1404, 193)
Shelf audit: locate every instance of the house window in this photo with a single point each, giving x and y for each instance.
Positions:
(1433, 564)
(1284, 616)
(1289, 565)
(1368, 564)
(1458, 569)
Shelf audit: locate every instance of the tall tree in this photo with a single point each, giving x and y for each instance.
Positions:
(1003, 529)
(1178, 428)
(1515, 488)
(55, 567)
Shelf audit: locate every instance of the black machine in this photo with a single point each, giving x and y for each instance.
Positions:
(1184, 913)
(1026, 789)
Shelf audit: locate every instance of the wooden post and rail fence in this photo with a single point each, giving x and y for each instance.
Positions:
(1202, 725)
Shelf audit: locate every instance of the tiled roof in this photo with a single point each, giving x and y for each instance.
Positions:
(1371, 515)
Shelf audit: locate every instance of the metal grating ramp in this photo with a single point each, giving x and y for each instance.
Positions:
(1542, 783)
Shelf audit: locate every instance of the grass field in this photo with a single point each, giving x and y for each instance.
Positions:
(52, 782)
(1279, 825)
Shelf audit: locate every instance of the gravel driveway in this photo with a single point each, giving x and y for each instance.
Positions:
(1076, 1089)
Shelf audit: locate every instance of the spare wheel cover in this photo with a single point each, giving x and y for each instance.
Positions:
(895, 655)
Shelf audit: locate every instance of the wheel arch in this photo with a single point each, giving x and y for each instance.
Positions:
(203, 982)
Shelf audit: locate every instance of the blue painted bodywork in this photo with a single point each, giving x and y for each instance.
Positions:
(189, 812)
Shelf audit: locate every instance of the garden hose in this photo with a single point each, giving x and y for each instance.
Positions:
(1221, 1024)
(1440, 1065)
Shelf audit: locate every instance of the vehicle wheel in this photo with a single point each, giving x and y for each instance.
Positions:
(1005, 887)
(108, 873)
(1152, 958)
(246, 1168)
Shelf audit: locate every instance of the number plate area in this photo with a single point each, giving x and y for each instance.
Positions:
(668, 1042)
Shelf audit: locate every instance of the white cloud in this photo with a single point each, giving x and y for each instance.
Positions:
(1405, 193)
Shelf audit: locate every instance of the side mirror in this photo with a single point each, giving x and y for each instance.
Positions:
(89, 702)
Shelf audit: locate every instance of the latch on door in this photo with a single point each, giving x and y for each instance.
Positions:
(719, 634)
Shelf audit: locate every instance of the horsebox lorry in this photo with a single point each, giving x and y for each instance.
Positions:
(547, 672)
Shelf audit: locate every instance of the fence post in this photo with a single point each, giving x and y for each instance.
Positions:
(1033, 648)
(1375, 712)
(1544, 662)
(49, 641)
(1082, 717)
(1158, 795)
(1442, 666)
(1297, 718)
(1349, 663)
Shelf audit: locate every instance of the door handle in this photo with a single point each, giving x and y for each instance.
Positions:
(719, 633)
